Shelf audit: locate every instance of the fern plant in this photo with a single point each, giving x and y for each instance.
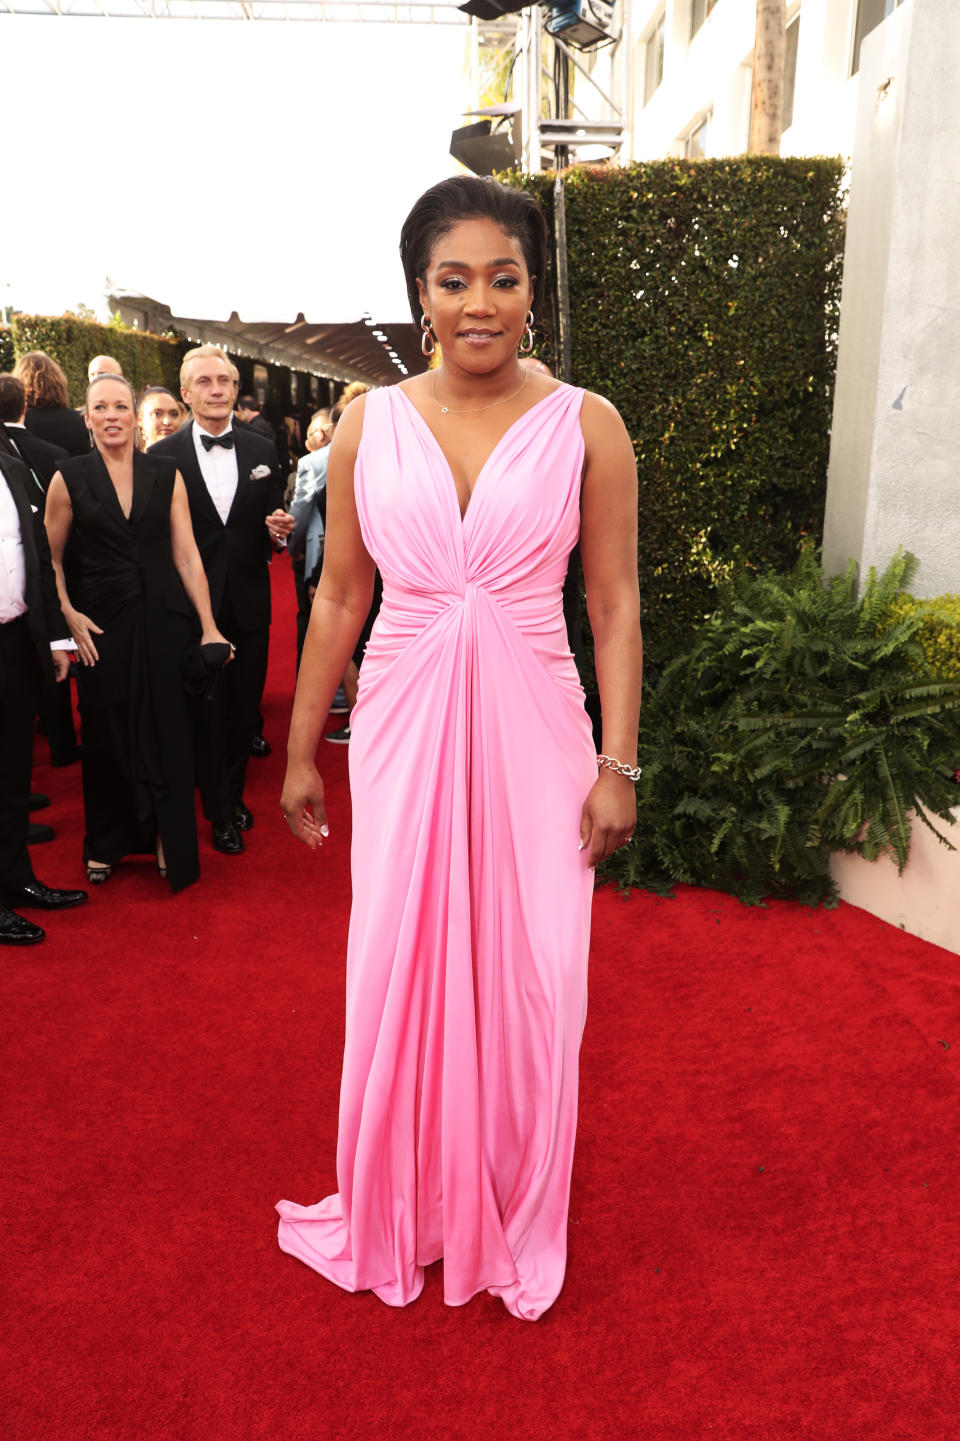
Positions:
(800, 723)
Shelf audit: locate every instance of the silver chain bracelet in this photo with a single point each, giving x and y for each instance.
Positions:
(632, 773)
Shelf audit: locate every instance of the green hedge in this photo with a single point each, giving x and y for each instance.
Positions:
(704, 303)
(73, 341)
(8, 354)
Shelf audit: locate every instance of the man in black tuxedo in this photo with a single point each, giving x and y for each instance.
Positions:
(248, 412)
(42, 458)
(235, 488)
(33, 648)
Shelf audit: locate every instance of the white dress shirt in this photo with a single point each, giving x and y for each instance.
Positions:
(219, 470)
(13, 570)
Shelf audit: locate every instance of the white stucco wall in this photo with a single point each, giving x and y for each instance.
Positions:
(713, 72)
(895, 455)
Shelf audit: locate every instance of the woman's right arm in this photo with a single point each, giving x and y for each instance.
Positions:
(340, 607)
(58, 518)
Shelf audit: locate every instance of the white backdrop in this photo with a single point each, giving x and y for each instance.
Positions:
(171, 156)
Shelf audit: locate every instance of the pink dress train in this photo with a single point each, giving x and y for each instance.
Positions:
(470, 759)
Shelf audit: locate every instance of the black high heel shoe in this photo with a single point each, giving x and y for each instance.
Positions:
(98, 875)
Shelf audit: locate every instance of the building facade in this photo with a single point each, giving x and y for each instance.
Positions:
(692, 66)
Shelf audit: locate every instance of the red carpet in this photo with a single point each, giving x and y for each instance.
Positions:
(765, 1225)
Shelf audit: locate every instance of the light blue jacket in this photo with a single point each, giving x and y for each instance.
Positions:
(306, 538)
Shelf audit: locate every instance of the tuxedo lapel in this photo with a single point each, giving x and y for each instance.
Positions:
(200, 500)
(244, 467)
(103, 488)
(22, 448)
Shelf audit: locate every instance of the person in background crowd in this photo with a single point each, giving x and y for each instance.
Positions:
(295, 444)
(38, 455)
(159, 414)
(34, 650)
(234, 486)
(135, 593)
(248, 413)
(49, 414)
(305, 546)
(349, 684)
(246, 410)
(103, 365)
(42, 460)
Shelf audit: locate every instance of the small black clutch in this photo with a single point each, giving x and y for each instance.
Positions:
(201, 666)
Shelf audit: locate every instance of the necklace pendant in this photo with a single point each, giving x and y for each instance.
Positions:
(443, 410)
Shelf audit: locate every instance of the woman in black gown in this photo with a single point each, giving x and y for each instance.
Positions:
(137, 589)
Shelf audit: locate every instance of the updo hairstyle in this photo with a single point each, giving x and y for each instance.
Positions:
(149, 390)
(470, 197)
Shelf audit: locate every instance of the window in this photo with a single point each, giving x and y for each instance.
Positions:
(696, 145)
(869, 15)
(699, 10)
(653, 64)
(791, 40)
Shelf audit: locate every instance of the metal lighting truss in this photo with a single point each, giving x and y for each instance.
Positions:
(596, 113)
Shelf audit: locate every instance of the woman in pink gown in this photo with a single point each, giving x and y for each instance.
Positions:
(480, 806)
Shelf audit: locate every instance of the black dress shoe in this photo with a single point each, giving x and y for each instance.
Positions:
(243, 820)
(260, 746)
(45, 898)
(17, 930)
(38, 802)
(228, 840)
(37, 833)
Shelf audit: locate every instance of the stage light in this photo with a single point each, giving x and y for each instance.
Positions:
(584, 24)
(493, 9)
(483, 149)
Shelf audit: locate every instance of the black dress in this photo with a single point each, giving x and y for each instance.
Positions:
(137, 756)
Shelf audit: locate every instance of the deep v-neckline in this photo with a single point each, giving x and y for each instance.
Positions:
(485, 466)
(108, 489)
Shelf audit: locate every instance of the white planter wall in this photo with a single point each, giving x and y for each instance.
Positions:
(925, 900)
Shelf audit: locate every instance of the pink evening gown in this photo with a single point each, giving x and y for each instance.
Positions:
(470, 759)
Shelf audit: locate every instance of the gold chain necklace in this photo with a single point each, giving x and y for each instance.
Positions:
(445, 409)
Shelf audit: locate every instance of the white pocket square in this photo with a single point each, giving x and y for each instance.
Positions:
(260, 472)
(34, 508)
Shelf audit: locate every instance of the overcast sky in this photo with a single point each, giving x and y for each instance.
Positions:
(219, 165)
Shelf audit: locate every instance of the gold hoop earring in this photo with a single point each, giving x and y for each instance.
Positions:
(526, 344)
(427, 337)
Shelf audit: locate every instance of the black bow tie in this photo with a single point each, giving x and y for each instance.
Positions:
(226, 440)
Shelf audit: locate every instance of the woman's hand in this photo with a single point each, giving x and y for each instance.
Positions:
(213, 637)
(609, 816)
(302, 804)
(83, 629)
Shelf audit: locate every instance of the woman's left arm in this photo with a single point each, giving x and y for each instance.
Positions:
(186, 557)
(608, 548)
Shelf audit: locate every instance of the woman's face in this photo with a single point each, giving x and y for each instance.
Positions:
(477, 294)
(110, 414)
(159, 416)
